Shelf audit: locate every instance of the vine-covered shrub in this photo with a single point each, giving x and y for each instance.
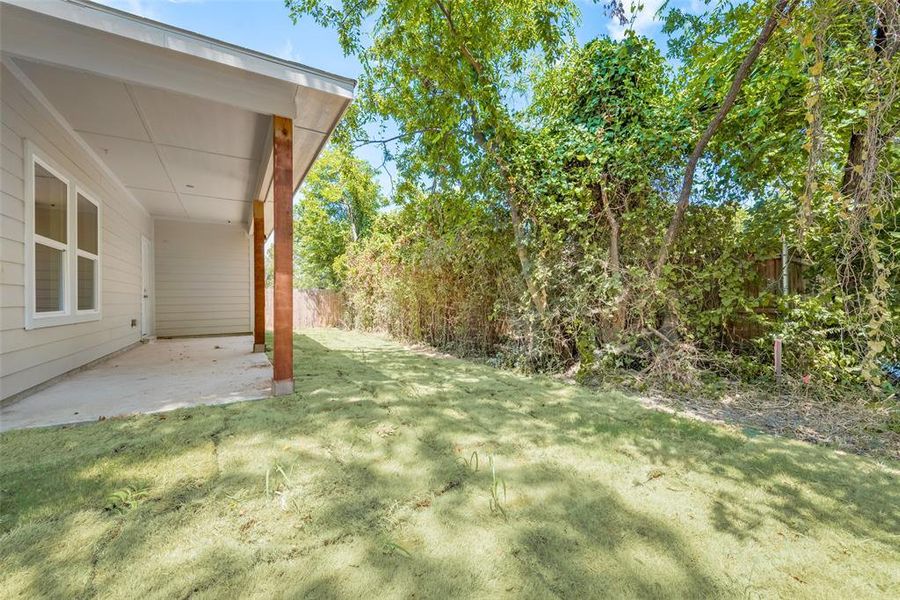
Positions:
(434, 273)
(547, 235)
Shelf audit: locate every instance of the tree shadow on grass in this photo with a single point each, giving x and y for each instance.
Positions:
(510, 410)
(375, 478)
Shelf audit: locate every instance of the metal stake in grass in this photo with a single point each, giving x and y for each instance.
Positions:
(472, 463)
(778, 360)
(496, 484)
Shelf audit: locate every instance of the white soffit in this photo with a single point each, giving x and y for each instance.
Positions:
(163, 146)
(209, 174)
(79, 17)
(200, 207)
(136, 163)
(184, 121)
(161, 204)
(97, 104)
(214, 127)
(315, 110)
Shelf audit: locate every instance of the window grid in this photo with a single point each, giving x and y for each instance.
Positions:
(79, 253)
(72, 297)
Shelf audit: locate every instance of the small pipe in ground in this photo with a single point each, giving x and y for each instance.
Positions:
(778, 343)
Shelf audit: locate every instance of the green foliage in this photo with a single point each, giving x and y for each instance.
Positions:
(338, 203)
(605, 109)
(442, 71)
(125, 499)
(814, 331)
(537, 179)
(433, 270)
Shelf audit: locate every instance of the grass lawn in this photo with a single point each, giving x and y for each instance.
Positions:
(376, 480)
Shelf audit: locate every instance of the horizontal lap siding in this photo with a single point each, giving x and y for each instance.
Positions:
(202, 279)
(28, 358)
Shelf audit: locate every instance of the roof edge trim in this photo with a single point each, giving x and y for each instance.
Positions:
(188, 42)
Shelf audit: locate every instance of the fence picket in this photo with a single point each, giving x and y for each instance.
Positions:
(312, 308)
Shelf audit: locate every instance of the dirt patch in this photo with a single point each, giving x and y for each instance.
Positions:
(849, 426)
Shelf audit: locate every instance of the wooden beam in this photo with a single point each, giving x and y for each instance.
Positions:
(283, 381)
(259, 277)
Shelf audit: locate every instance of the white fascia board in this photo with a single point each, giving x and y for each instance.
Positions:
(149, 53)
(148, 31)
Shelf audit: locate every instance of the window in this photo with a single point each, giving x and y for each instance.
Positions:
(87, 220)
(51, 199)
(63, 246)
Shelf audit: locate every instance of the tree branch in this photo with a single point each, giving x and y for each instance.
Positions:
(782, 9)
(470, 58)
(385, 141)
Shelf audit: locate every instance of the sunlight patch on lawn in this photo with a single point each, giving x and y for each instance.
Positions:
(376, 478)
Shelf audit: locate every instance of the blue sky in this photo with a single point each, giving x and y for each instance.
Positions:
(264, 26)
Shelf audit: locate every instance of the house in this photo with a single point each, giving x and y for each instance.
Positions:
(143, 167)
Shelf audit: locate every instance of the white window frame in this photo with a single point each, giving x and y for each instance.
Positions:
(70, 313)
(81, 191)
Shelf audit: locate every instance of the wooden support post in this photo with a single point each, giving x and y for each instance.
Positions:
(283, 381)
(259, 277)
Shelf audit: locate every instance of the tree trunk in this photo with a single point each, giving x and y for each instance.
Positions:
(351, 216)
(782, 9)
(864, 152)
(852, 177)
(615, 264)
(538, 299)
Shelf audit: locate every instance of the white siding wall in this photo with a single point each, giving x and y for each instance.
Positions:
(202, 279)
(28, 358)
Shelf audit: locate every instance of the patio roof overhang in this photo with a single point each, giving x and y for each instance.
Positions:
(182, 121)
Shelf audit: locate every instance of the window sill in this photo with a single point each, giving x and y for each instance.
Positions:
(36, 322)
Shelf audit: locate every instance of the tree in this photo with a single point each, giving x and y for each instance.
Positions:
(447, 72)
(582, 201)
(608, 133)
(338, 202)
(781, 11)
(815, 125)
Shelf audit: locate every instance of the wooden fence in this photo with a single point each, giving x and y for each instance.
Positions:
(769, 279)
(312, 308)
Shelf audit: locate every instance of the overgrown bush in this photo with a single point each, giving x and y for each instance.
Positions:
(433, 272)
(549, 238)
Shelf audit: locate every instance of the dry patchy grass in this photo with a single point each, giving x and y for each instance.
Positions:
(395, 474)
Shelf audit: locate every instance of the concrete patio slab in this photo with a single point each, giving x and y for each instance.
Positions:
(155, 377)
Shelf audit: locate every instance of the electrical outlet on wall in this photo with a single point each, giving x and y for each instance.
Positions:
(134, 322)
